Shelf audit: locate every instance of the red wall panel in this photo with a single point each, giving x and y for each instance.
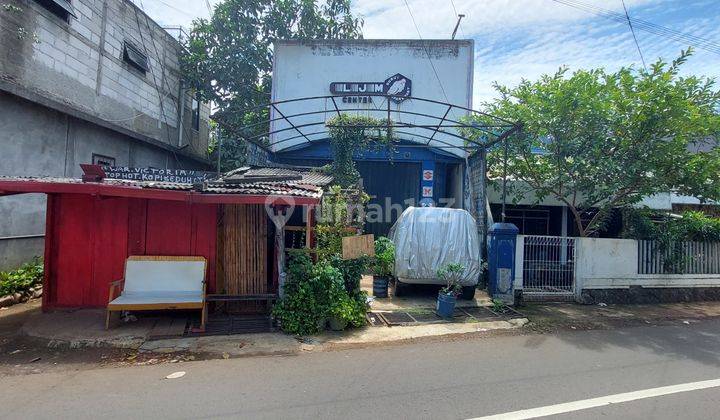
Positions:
(137, 224)
(204, 238)
(168, 228)
(109, 248)
(92, 237)
(72, 241)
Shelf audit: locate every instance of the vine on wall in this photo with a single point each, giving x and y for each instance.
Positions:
(352, 134)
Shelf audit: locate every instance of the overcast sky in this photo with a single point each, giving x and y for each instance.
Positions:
(517, 39)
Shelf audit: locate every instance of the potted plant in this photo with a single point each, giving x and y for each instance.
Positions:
(451, 274)
(339, 314)
(383, 266)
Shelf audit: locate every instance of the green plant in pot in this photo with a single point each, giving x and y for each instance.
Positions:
(383, 266)
(451, 274)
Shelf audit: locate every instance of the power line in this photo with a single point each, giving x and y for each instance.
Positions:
(633, 35)
(659, 30)
(154, 77)
(638, 22)
(184, 12)
(426, 51)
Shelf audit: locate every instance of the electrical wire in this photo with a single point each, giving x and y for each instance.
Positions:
(633, 35)
(427, 53)
(154, 79)
(693, 40)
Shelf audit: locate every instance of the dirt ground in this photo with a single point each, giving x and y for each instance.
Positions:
(22, 355)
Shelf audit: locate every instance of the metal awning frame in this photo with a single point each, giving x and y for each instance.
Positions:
(495, 132)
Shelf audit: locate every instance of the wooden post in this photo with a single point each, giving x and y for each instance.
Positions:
(309, 226)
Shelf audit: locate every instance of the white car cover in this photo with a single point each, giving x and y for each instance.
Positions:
(427, 238)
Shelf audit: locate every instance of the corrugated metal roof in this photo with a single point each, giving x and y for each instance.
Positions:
(280, 174)
(309, 185)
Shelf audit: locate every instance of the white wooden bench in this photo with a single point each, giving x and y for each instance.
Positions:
(159, 283)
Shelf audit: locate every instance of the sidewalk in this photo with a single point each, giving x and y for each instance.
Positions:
(548, 317)
(85, 329)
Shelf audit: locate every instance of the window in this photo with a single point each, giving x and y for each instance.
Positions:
(529, 221)
(61, 8)
(102, 160)
(196, 111)
(133, 56)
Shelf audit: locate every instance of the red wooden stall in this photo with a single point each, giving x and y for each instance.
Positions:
(92, 227)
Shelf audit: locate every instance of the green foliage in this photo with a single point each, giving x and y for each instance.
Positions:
(299, 265)
(384, 261)
(498, 306)
(351, 134)
(609, 139)
(651, 225)
(314, 293)
(344, 207)
(20, 280)
(670, 232)
(229, 56)
(351, 270)
(451, 274)
(351, 308)
(233, 154)
(341, 215)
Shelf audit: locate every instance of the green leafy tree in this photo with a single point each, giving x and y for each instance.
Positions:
(229, 56)
(595, 140)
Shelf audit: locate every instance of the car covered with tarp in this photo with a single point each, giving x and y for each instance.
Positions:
(428, 238)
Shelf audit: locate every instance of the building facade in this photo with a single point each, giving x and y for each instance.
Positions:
(87, 81)
(426, 167)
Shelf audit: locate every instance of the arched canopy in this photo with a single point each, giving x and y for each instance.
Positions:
(297, 123)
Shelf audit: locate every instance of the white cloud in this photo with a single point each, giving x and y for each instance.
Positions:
(517, 39)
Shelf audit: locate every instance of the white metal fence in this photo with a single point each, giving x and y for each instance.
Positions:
(548, 267)
(678, 258)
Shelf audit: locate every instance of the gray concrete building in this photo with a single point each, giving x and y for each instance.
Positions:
(87, 81)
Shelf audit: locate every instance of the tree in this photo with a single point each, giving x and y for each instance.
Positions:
(229, 57)
(596, 140)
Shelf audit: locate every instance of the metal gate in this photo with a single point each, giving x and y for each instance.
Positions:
(548, 268)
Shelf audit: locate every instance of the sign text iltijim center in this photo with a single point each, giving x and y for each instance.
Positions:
(397, 87)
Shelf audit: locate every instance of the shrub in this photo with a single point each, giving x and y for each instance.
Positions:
(692, 226)
(300, 265)
(670, 232)
(351, 270)
(20, 280)
(351, 308)
(314, 293)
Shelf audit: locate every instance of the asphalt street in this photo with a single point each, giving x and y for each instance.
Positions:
(461, 379)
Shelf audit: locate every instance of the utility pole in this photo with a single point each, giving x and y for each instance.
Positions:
(457, 25)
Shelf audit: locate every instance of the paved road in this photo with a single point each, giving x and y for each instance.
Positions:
(457, 380)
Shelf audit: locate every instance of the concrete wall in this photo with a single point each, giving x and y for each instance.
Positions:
(613, 264)
(37, 141)
(79, 64)
(66, 93)
(606, 270)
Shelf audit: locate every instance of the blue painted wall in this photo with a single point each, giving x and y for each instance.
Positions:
(408, 165)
